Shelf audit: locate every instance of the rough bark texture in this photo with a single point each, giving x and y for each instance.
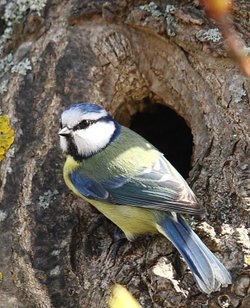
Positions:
(56, 251)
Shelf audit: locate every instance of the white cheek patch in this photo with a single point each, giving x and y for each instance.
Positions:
(63, 144)
(93, 138)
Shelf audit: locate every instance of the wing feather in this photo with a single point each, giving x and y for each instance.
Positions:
(160, 188)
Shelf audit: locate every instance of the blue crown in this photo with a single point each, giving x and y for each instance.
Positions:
(87, 107)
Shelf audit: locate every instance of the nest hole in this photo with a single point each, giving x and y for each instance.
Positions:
(168, 132)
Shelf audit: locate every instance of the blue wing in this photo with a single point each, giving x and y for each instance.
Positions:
(88, 187)
(160, 187)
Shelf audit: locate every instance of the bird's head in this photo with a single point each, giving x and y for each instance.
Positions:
(86, 129)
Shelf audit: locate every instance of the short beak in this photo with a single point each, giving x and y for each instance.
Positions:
(64, 131)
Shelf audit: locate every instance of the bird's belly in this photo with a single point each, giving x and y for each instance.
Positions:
(133, 221)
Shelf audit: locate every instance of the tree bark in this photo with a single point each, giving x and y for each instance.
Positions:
(57, 251)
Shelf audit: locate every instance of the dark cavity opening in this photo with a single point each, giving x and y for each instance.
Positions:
(168, 132)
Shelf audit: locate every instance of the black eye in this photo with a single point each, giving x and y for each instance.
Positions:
(60, 124)
(83, 124)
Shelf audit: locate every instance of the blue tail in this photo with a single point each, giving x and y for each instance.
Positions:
(209, 273)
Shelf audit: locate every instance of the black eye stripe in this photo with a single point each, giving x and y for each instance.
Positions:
(84, 124)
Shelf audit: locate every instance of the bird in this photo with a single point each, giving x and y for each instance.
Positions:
(131, 182)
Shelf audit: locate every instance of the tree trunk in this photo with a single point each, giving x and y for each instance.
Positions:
(57, 251)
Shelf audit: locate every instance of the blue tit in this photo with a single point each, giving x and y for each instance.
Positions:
(128, 180)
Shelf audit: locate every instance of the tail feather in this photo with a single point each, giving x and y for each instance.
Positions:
(208, 271)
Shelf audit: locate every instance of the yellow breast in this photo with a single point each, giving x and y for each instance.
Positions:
(133, 221)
